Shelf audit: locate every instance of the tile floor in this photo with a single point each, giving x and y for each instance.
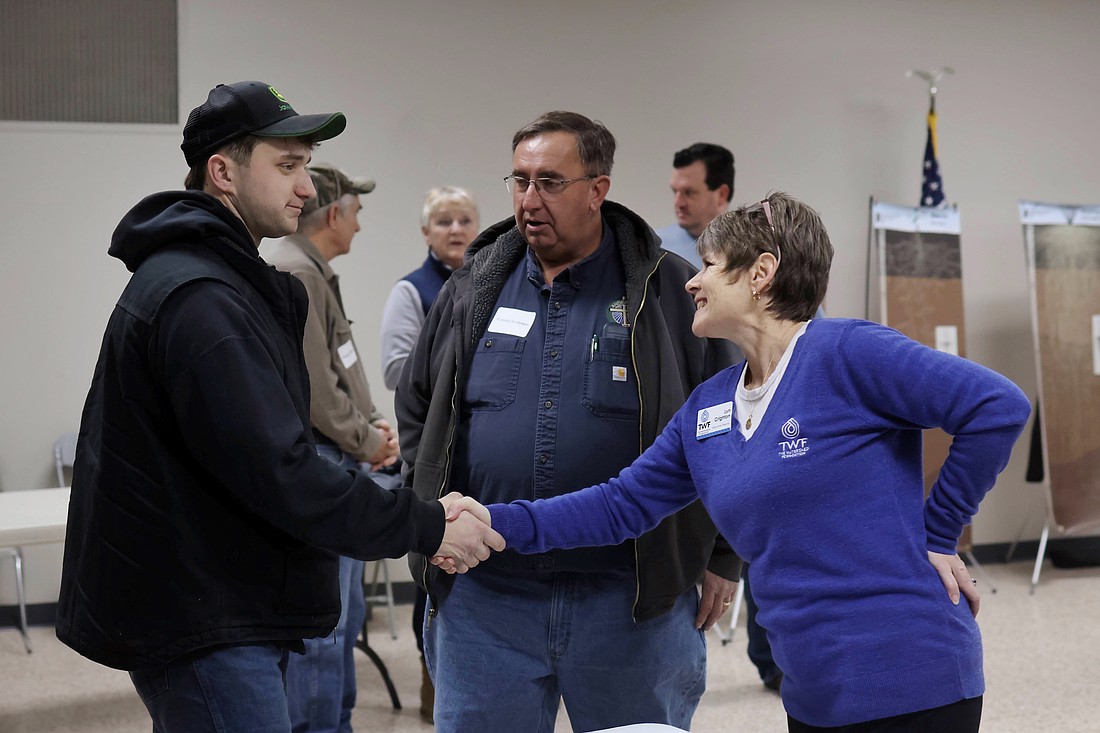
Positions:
(1042, 671)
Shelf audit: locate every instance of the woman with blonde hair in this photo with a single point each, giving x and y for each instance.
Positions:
(448, 222)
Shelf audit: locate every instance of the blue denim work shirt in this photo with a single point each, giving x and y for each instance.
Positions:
(552, 408)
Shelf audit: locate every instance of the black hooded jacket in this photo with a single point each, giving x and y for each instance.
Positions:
(200, 513)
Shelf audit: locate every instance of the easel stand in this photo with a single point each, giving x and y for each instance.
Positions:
(1039, 556)
(1062, 243)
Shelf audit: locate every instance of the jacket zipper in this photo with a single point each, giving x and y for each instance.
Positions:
(439, 494)
(641, 437)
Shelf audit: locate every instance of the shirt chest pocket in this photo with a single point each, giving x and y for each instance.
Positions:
(342, 348)
(494, 372)
(610, 387)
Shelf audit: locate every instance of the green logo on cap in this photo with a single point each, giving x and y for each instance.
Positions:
(285, 104)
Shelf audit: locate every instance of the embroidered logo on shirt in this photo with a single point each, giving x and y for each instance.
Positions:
(794, 445)
(616, 312)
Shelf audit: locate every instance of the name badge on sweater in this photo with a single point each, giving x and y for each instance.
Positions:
(714, 420)
(347, 353)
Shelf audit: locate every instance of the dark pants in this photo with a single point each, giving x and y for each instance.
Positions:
(963, 716)
(320, 684)
(760, 651)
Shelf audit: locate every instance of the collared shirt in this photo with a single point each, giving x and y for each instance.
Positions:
(551, 403)
(676, 239)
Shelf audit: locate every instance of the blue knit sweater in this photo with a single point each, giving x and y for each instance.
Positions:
(826, 502)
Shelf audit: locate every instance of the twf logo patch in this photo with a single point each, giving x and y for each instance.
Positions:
(793, 445)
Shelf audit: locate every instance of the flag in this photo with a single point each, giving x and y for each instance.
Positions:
(931, 190)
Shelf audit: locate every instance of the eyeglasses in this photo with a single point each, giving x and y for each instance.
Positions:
(547, 188)
(764, 204)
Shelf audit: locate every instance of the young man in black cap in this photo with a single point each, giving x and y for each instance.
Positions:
(203, 528)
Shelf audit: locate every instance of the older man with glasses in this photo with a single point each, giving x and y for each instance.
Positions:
(550, 361)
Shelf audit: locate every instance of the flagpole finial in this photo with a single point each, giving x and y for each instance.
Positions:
(932, 77)
(932, 182)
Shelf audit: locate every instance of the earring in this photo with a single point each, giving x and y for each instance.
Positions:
(755, 294)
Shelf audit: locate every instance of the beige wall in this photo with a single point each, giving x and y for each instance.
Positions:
(811, 97)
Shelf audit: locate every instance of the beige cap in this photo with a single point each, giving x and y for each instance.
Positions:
(331, 183)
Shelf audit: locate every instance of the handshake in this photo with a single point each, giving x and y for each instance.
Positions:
(468, 538)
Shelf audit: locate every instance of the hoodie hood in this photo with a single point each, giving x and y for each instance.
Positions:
(175, 218)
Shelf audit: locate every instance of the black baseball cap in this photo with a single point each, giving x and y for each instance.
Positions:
(232, 111)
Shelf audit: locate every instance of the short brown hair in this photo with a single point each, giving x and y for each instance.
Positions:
(240, 151)
(800, 242)
(595, 143)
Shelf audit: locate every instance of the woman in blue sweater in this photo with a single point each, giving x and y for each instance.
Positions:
(808, 458)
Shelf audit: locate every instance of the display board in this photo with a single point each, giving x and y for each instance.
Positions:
(915, 267)
(1063, 259)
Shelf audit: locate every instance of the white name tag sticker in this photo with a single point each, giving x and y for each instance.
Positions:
(512, 321)
(714, 420)
(347, 353)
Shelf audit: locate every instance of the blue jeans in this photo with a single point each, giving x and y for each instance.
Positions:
(225, 689)
(760, 651)
(503, 651)
(320, 684)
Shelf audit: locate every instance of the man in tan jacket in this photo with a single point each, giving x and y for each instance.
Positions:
(347, 427)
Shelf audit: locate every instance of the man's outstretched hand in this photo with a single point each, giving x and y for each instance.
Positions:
(468, 538)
